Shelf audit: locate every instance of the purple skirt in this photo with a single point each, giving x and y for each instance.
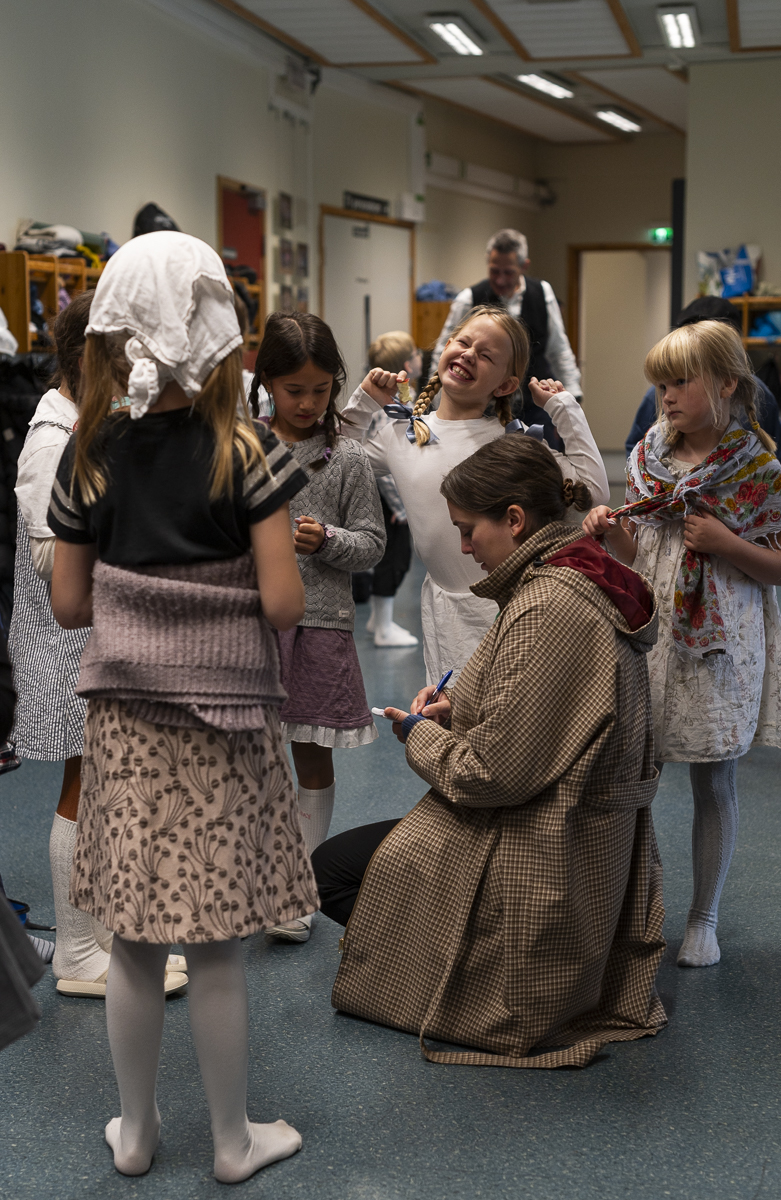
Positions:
(322, 677)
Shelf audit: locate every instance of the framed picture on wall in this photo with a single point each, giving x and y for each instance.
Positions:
(302, 300)
(286, 298)
(302, 259)
(285, 210)
(285, 254)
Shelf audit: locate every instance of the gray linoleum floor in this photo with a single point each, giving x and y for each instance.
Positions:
(691, 1114)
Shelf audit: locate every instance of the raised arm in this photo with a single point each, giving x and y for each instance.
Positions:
(582, 459)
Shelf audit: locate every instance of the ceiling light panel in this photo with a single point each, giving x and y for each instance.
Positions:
(760, 23)
(454, 31)
(618, 120)
(513, 108)
(547, 86)
(335, 29)
(655, 88)
(554, 30)
(679, 26)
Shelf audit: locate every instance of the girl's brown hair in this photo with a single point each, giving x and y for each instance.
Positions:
(711, 351)
(290, 341)
(68, 332)
(514, 469)
(105, 376)
(519, 361)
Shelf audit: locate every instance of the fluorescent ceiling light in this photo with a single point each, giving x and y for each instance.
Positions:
(546, 85)
(455, 32)
(679, 26)
(619, 120)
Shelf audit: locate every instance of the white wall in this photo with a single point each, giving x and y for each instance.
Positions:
(733, 172)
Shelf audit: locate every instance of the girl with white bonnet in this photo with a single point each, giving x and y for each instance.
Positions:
(174, 543)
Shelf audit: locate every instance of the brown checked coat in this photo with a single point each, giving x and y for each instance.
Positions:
(518, 907)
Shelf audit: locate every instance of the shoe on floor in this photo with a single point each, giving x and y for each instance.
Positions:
(176, 962)
(292, 931)
(393, 635)
(175, 981)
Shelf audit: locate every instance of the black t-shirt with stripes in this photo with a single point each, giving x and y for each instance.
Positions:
(156, 507)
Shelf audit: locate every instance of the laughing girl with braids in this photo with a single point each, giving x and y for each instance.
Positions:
(338, 529)
(477, 375)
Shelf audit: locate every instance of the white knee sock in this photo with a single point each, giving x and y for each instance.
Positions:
(218, 1019)
(315, 806)
(135, 1007)
(77, 954)
(714, 834)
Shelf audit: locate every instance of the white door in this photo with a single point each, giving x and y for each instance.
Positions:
(367, 271)
(624, 311)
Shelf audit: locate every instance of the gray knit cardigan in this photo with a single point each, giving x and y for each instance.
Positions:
(343, 496)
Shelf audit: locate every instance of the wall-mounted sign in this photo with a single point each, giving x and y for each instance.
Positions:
(368, 204)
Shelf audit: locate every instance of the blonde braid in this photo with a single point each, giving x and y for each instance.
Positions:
(504, 409)
(421, 406)
(751, 413)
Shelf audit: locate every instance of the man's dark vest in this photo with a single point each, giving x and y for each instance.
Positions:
(534, 315)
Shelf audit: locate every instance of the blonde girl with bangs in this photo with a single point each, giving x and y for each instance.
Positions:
(478, 373)
(173, 541)
(702, 523)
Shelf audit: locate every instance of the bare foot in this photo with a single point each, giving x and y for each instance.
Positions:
(133, 1152)
(263, 1144)
(700, 948)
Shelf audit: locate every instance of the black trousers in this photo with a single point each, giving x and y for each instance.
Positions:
(340, 865)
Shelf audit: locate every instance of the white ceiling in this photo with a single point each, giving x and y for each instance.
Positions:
(760, 22)
(655, 89)
(513, 108)
(608, 52)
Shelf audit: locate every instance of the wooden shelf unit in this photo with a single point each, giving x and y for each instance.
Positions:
(429, 316)
(18, 270)
(749, 307)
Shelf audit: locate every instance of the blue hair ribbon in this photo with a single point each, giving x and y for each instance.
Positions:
(403, 412)
(535, 431)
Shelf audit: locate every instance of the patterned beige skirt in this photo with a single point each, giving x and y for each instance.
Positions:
(184, 835)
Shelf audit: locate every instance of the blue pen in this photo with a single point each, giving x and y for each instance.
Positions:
(442, 683)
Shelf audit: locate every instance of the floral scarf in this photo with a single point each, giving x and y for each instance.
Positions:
(740, 483)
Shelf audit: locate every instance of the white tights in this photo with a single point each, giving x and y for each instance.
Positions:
(135, 1004)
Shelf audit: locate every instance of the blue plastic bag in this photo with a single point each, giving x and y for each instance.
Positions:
(738, 278)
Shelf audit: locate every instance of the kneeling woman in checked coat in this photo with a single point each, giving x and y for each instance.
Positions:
(533, 854)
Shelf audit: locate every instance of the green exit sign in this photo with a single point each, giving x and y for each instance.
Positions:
(661, 235)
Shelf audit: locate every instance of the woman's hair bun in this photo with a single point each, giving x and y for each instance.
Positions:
(576, 493)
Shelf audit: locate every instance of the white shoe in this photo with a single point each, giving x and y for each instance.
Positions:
(394, 635)
(175, 981)
(292, 931)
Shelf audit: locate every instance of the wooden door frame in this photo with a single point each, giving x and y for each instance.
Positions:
(330, 210)
(573, 279)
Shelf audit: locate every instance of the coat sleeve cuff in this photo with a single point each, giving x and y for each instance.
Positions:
(409, 721)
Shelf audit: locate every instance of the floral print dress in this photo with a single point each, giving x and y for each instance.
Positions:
(712, 708)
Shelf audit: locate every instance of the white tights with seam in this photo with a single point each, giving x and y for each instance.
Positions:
(135, 1005)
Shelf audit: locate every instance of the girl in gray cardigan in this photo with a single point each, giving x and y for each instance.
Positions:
(338, 528)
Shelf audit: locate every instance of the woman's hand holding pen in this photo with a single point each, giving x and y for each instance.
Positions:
(309, 535)
(382, 385)
(439, 711)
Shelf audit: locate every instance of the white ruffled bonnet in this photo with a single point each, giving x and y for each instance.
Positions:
(169, 291)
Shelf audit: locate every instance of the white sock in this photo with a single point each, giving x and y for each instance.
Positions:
(315, 807)
(714, 834)
(219, 1023)
(77, 954)
(382, 614)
